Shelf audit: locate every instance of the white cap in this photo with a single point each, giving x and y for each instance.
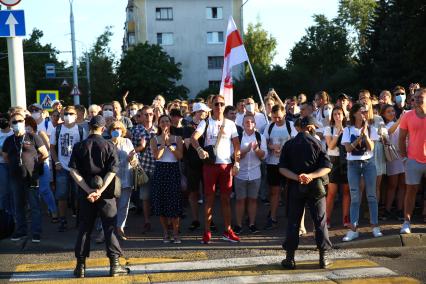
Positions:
(200, 106)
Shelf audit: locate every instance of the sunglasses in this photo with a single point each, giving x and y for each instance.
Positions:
(108, 109)
(69, 113)
(17, 121)
(219, 104)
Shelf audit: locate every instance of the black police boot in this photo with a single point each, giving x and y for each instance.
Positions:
(324, 261)
(288, 262)
(80, 268)
(115, 269)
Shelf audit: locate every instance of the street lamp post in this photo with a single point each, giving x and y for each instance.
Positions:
(241, 19)
(74, 57)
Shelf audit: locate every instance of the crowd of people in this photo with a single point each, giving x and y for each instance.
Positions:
(194, 151)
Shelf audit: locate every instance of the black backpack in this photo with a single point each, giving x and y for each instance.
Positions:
(258, 136)
(287, 124)
(7, 224)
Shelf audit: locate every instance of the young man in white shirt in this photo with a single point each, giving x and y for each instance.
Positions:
(219, 135)
(260, 118)
(62, 141)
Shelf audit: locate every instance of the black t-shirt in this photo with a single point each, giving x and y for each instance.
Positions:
(176, 131)
(95, 156)
(190, 155)
(29, 144)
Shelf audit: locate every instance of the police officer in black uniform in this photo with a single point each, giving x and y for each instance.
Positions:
(94, 164)
(304, 162)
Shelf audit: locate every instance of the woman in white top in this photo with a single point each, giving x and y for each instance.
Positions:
(338, 175)
(127, 159)
(166, 192)
(394, 169)
(358, 139)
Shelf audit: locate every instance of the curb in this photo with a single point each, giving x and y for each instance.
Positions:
(405, 240)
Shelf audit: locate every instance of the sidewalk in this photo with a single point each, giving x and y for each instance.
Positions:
(53, 241)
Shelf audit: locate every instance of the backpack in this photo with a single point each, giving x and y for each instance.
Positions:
(258, 137)
(58, 132)
(287, 124)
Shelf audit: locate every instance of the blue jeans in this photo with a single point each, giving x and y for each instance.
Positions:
(123, 207)
(45, 191)
(6, 198)
(23, 193)
(367, 169)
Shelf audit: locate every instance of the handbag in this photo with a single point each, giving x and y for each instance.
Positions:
(391, 153)
(139, 177)
(211, 149)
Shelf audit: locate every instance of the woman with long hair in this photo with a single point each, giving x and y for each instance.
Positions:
(395, 169)
(167, 150)
(338, 175)
(358, 139)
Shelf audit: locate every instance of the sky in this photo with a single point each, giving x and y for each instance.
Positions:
(285, 20)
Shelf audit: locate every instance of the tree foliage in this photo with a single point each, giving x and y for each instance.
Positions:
(146, 71)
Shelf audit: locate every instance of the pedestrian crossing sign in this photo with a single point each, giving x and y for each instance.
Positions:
(46, 97)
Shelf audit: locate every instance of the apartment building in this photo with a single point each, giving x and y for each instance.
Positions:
(193, 32)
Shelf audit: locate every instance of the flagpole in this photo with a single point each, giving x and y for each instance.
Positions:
(258, 89)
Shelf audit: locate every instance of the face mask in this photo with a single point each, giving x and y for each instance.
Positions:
(36, 115)
(400, 99)
(133, 112)
(327, 112)
(19, 127)
(116, 133)
(69, 118)
(250, 108)
(107, 113)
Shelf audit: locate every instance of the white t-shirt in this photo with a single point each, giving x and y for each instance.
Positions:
(259, 118)
(350, 134)
(327, 132)
(42, 127)
(279, 135)
(250, 164)
(223, 150)
(68, 137)
(3, 137)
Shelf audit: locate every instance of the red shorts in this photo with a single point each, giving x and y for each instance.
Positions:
(217, 174)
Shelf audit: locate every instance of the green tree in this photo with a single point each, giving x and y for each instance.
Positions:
(146, 71)
(260, 46)
(103, 76)
(357, 14)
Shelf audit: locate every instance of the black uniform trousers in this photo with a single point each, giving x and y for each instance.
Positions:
(107, 210)
(296, 205)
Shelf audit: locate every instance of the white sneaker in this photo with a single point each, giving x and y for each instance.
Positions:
(377, 233)
(350, 236)
(405, 229)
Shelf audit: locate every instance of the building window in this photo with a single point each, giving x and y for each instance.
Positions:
(214, 13)
(214, 84)
(215, 37)
(164, 14)
(215, 62)
(165, 38)
(132, 39)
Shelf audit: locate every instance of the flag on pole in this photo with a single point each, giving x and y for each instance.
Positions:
(235, 54)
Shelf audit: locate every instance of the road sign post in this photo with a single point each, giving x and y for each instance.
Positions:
(12, 25)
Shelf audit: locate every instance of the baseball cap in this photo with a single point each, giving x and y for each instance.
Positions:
(35, 106)
(200, 106)
(308, 120)
(98, 121)
(343, 96)
(56, 102)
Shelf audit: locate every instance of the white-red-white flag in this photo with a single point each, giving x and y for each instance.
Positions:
(235, 54)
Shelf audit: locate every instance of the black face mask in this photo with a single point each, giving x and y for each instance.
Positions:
(4, 123)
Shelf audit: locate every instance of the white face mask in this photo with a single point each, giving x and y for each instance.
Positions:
(36, 115)
(327, 112)
(107, 113)
(133, 112)
(19, 127)
(69, 119)
(250, 108)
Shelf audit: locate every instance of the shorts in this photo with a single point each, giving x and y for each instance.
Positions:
(145, 189)
(414, 171)
(273, 175)
(217, 173)
(337, 174)
(65, 185)
(246, 188)
(194, 177)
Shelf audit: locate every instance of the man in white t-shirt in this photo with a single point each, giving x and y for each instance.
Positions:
(219, 135)
(277, 134)
(62, 141)
(260, 118)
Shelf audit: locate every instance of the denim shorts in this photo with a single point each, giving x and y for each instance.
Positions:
(414, 171)
(64, 185)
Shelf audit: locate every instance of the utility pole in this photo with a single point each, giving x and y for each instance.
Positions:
(89, 92)
(74, 57)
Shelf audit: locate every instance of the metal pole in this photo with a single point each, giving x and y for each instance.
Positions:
(16, 71)
(74, 57)
(258, 90)
(89, 92)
